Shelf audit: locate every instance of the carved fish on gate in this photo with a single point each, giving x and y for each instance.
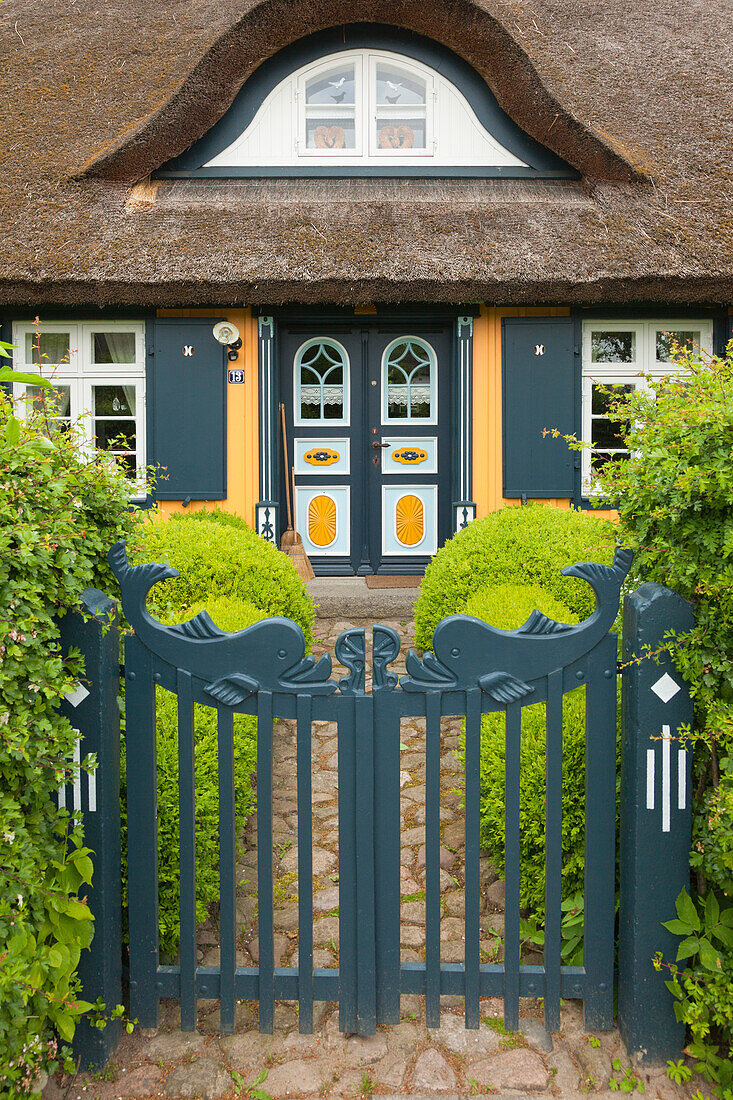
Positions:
(469, 652)
(268, 656)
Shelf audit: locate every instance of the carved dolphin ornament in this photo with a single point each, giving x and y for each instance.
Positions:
(268, 656)
(469, 652)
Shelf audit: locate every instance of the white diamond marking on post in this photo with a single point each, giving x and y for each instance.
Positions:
(666, 688)
(78, 695)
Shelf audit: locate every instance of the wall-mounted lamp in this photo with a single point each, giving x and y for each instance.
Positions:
(227, 333)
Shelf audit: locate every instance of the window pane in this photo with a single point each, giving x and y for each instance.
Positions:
(409, 369)
(613, 347)
(114, 400)
(113, 347)
(335, 86)
(604, 394)
(397, 402)
(48, 348)
(121, 432)
(400, 134)
(321, 373)
(58, 400)
(687, 338)
(396, 86)
(600, 459)
(330, 133)
(608, 433)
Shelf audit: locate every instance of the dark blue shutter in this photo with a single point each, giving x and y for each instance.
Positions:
(539, 391)
(186, 384)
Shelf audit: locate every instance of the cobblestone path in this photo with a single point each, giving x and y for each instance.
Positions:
(404, 1060)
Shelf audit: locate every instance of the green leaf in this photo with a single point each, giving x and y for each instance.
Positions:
(686, 910)
(12, 430)
(709, 957)
(725, 935)
(712, 910)
(65, 1026)
(688, 948)
(7, 374)
(678, 927)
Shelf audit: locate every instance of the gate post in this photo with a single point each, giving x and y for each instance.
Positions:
(656, 819)
(94, 714)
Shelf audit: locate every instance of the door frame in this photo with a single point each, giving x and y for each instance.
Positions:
(270, 511)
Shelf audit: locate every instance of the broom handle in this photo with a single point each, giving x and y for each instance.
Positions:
(292, 471)
(287, 477)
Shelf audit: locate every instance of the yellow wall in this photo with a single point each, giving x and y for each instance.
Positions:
(242, 421)
(487, 420)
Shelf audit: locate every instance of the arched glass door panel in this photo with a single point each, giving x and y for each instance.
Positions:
(409, 381)
(321, 379)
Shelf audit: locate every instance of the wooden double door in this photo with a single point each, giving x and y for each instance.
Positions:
(368, 412)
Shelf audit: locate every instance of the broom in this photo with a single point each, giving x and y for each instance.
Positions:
(291, 542)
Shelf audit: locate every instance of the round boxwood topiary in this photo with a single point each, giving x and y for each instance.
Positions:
(519, 545)
(218, 558)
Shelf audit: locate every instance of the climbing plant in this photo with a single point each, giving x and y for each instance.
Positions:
(61, 507)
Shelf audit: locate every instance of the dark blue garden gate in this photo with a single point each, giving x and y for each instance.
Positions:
(474, 669)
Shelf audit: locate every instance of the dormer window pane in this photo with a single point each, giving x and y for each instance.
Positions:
(330, 110)
(333, 88)
(400, 134)
(331, 132)
(398, 88)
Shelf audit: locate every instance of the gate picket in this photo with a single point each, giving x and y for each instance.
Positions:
(511, 861)
(474, 669)
(387, 843)
(142, 832)
(553, 849)
(227, 869)
(432, 858)
(600, 835)
(187, 844)
(472, 889)
(305, 866)
(266, 945)
(348, 959)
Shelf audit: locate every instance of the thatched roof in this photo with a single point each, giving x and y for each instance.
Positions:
(97, 95)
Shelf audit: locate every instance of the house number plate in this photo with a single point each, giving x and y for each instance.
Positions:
(235, 376)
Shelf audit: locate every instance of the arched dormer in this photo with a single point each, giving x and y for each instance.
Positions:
(366, 100)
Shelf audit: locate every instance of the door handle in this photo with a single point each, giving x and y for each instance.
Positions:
(376, 445)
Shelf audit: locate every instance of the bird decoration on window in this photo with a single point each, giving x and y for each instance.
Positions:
(338, 95)
(394, 87)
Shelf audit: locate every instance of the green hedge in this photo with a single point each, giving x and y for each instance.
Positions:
(219, 555)
(517, 545)
(507, 607)
(61, 508)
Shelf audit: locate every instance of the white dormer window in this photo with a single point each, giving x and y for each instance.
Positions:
(365, 107)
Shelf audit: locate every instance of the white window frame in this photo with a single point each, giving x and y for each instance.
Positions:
(302, 422)
(365, 108)
(410, 420)
(80, 373)
(640, 373)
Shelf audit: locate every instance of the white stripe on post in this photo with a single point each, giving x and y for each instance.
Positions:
(666, 779)
(77, 772)
(650, 779)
